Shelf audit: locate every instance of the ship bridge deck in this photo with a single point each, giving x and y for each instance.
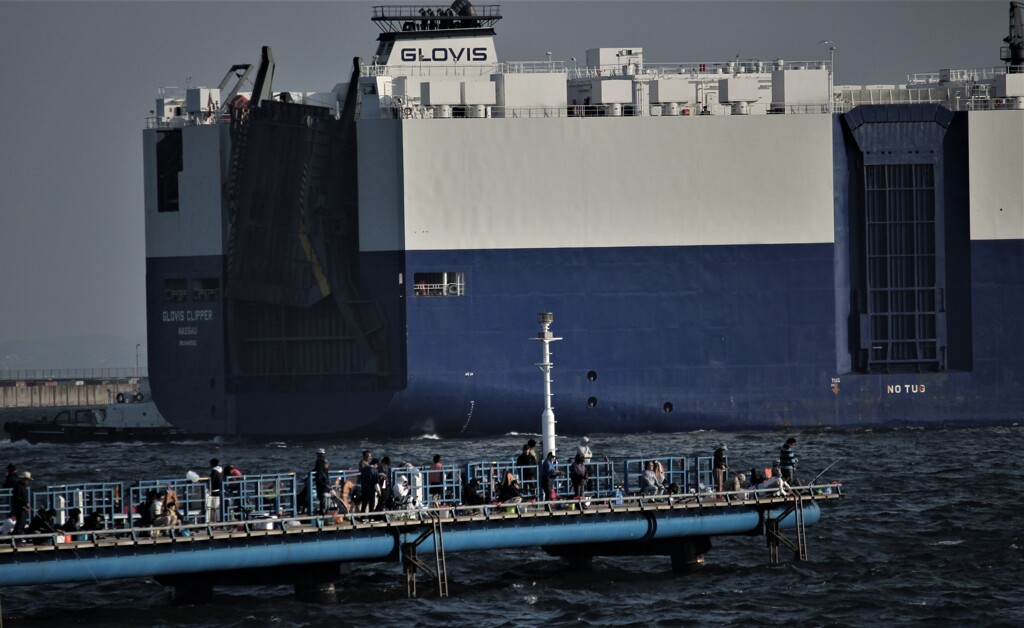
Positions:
(404, 18)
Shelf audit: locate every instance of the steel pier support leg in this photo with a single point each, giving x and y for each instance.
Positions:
(772, 536)
(688, 556)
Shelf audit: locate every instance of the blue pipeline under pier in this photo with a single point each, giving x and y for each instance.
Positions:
(277, 550)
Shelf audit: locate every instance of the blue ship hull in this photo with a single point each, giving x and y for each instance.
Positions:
(664, 339)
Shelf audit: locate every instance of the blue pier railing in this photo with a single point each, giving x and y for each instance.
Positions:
(426, 487)
(5, 501)
(490, 475)
(705, 472)
(601, 480)
(259, 496)
(103, 498)
(440, 487)
(191, 497)
(688, 473)
(287, 495)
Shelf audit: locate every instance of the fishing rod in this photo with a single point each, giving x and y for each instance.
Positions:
(811, 483)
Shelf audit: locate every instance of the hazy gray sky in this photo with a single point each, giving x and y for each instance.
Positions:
(79, 78)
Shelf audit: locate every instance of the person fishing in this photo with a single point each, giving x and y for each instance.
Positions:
(788, 460)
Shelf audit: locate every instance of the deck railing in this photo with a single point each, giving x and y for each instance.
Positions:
(38, 377)
(287, 495)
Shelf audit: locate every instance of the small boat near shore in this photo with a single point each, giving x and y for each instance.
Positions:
(130, 417)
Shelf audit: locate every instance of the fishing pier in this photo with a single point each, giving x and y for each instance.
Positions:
(262, 531)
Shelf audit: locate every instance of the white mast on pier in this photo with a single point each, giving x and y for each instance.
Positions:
(547, 418)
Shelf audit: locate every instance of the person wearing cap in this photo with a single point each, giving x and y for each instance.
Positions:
(720, 466)
(548, 472)
(787, 460)
(584, 450)
(321, 460)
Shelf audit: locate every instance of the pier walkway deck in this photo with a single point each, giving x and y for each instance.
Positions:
(275, 529)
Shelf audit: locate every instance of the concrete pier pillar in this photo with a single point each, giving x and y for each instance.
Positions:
(316, 592)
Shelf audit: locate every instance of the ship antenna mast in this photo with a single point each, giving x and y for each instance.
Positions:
(1013, 54)
(547, 418)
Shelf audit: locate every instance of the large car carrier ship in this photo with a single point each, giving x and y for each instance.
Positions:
(729, 245)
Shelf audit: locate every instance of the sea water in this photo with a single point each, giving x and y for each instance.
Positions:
(929, 531)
